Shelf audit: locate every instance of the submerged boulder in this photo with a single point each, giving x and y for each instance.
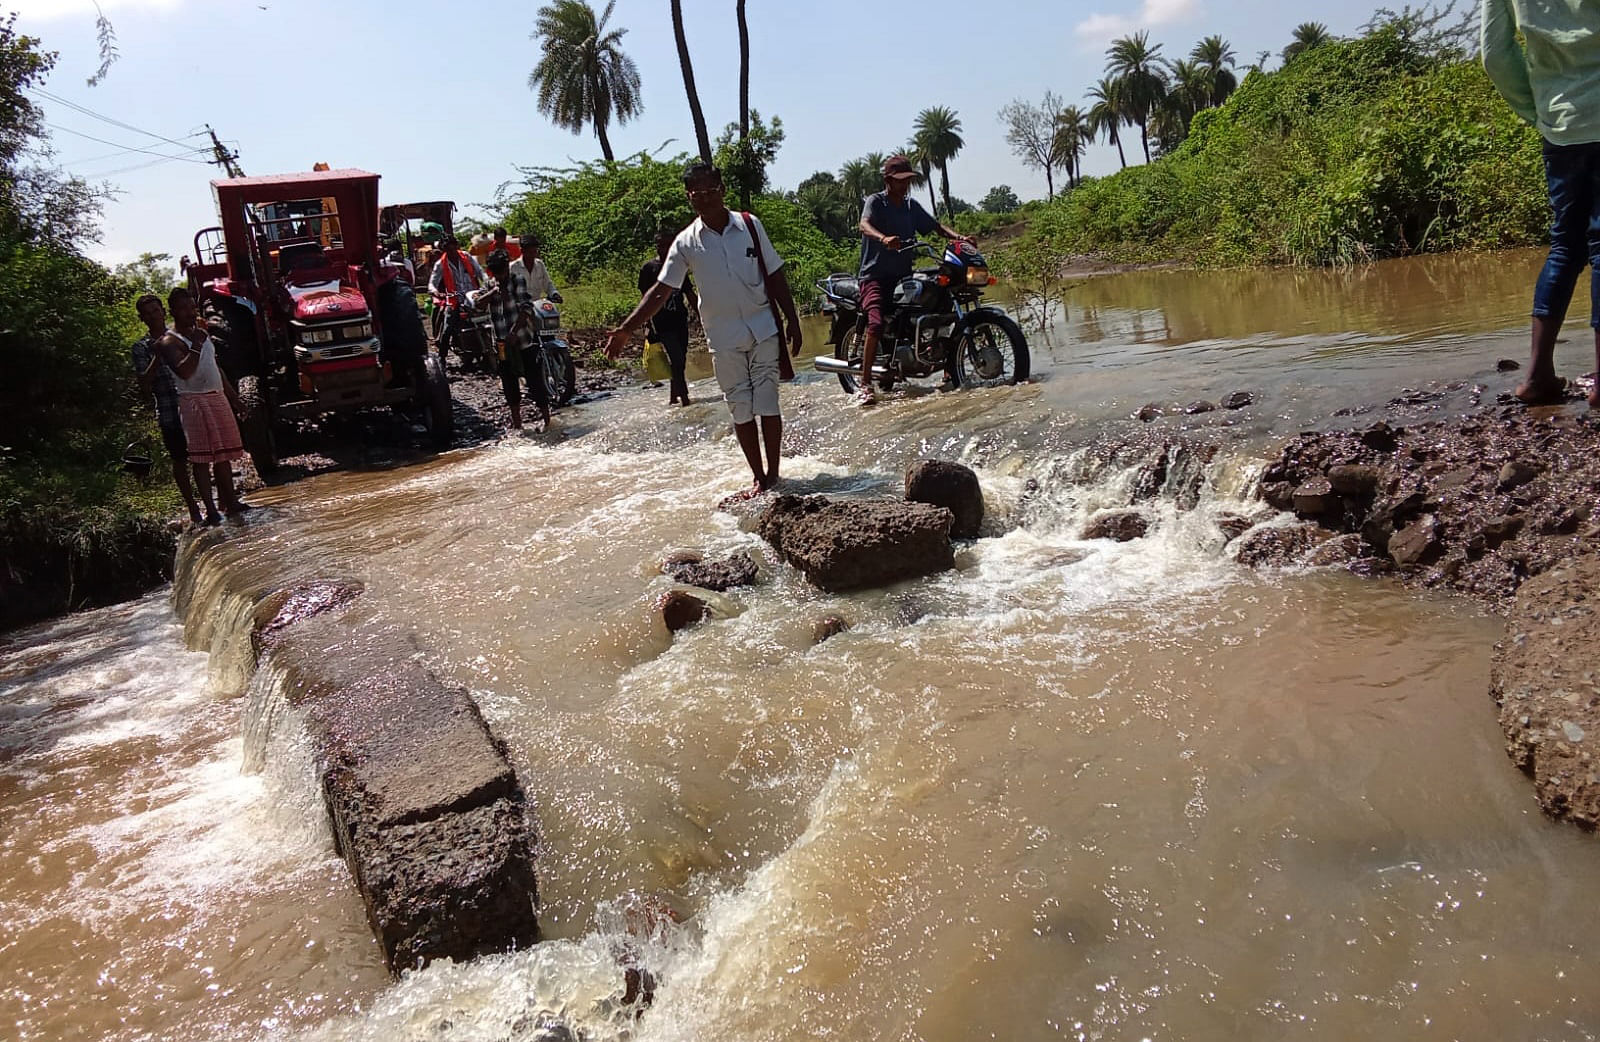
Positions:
(853, 544)
(718, 574)
(1542, 680)
(953, 486)
(1120, 525)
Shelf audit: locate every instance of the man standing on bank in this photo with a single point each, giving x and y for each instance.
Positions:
(727, 253)
(890, 221)
(1552, 80)
(155, 377)
(670, 326)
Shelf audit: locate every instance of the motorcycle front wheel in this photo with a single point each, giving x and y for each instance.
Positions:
(848, 348)
(991, 352)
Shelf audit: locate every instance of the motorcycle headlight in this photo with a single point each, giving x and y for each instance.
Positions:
(977, 276)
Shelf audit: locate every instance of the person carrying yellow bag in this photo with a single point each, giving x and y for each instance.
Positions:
(666, 344)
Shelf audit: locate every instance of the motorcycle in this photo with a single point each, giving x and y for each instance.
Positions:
(459, 315)
(552, 355)
(935, 324)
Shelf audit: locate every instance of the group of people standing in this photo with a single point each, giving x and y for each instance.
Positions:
(195, 404)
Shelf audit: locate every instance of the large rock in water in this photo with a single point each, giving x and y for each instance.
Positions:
(853, 544)
(1543, 678)
(955, 487)
(425, 807)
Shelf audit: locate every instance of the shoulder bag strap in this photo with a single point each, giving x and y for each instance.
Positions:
(785, 366)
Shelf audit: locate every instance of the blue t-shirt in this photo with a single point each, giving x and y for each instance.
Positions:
(908, 220)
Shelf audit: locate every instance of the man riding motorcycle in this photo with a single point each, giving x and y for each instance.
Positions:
(890, 221)
(455, 275)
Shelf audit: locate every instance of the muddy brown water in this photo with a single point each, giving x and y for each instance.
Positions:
(1069, 790)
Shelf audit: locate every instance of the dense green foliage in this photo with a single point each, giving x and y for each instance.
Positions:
(1356, 149)
(68, 405)
(598, 223)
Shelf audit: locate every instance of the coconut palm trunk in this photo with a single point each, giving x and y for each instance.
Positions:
(701, 137)
(744, 92)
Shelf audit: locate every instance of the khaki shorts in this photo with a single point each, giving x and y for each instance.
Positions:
(748, 377)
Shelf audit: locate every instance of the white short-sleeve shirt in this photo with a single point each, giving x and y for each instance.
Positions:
(733, 299)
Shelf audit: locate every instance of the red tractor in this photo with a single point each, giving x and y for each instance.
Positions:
(307, 316)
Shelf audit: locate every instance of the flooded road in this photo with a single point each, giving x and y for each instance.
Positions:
(1071, 789)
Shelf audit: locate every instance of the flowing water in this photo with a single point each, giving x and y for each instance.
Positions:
(1069, 790)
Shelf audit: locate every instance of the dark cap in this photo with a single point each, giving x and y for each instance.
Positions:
(898, 166)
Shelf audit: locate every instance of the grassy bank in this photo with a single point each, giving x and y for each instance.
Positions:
(77, 532)
(1358, 149)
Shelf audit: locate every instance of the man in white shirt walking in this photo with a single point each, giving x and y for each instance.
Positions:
(531, 267)
(727, 255)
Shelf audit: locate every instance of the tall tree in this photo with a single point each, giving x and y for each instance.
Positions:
(1307, 35)
(922, 160)
(1031, 133)
(1190, 92)
(583, 78)
(1106, 116)
(701, 137)
(1071, 141)
(857, 179)
(744, 75)
(938, 134)
(1136, 62)
(1216, 56)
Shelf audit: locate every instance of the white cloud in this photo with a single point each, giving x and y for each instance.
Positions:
(1100, 27)
(57, 10)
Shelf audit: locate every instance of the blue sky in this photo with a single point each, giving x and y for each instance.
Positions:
(434, 96)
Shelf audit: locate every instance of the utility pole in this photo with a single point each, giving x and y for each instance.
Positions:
(228, 161)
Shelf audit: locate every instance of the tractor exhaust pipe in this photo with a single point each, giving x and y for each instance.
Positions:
(824, 364)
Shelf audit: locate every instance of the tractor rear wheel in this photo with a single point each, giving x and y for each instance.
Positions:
(255, 426)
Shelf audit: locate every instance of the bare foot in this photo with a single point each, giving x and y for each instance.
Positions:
(213, 519)
(745, 496)
(1594, 397)
(1544, 391)
(239, 507)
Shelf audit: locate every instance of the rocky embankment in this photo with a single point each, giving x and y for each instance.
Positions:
(1478, 504)
(1499, 505)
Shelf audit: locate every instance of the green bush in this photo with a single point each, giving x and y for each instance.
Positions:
(1355, 150)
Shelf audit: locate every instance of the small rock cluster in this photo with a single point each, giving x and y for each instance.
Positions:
(1479, 503)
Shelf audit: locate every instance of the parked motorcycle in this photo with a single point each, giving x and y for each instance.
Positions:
(934, 319)
(474, 339)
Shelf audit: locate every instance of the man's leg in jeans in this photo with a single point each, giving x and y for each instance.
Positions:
(1571, 204)
(872, 293)
(1592, 172)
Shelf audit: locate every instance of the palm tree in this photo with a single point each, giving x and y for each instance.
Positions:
(1072, 139)
(582, 76)
(923, 162)
(1190, 92)
(1216, 56)
(1137, 63)
(938, 135)
(1306, 36)
(858, 179)
(1105, 115)
(701, 137)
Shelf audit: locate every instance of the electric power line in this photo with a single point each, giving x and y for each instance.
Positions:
(91, 113)
(127, 148)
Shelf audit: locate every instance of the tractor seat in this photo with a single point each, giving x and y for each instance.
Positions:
(300, 261)
(845, 287)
